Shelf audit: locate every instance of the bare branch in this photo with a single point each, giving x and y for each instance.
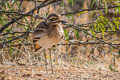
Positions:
(91, 9)
(73, 43)
(29, 13)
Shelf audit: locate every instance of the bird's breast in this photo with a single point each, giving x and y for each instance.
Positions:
(47, 41)
(51, 37)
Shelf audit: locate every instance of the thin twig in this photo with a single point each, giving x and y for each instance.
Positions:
(28, 13)
(74, 43)
(91, 9)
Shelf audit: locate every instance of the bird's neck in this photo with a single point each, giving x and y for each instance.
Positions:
(53, 31)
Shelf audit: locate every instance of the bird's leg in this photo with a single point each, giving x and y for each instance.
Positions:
(51, 60)
(45, 59)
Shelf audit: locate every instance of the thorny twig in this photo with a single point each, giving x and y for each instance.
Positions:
(45, 3)
(90, 9)
(73, 43)
(28, 13)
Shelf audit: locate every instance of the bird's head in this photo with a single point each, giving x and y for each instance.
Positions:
(53, 19)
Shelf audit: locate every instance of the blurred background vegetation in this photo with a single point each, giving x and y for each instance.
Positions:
(91, 29)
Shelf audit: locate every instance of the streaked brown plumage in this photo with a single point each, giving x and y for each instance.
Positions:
(48, 33)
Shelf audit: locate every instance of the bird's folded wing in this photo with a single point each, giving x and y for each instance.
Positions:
(41, 30)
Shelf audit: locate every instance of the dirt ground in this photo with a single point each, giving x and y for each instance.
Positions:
(15, 72)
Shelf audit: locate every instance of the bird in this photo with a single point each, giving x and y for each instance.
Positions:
(47, 34)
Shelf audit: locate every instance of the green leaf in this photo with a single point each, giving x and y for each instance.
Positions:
(113, 28)
(26, 27)
(98, 27)
(119, 10)
(76, 34)
(111, 67)
(106, 20)
(105, 5)
(95, 28)
(116, 11)
(92, 3)
(62, 3)
(116, 22)
(3, 20)
(109, 29)
(103, 19)
(71, 2)
(111, 25)
(93, 33)
(66, 33)
(11, 50)
(28, 24)
(102, 28)
(69, 15)
(78, 14)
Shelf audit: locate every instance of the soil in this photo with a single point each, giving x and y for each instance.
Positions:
(15, 72)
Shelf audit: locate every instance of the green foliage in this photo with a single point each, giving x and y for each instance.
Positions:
(62, 4)
(2, 20)
(102, 25)
(71, 2)
(99, 26)
(76, 34)
(71, 17)
(11, 50)
(112, 68)
(93, 33)
(92, 3)
(105, 5)
(66, 33)
(28, 25)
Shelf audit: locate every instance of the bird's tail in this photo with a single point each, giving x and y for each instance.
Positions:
(36, 45)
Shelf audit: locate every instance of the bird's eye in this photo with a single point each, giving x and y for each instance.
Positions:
(53, 18)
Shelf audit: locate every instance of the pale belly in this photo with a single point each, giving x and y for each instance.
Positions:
(47, 42)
